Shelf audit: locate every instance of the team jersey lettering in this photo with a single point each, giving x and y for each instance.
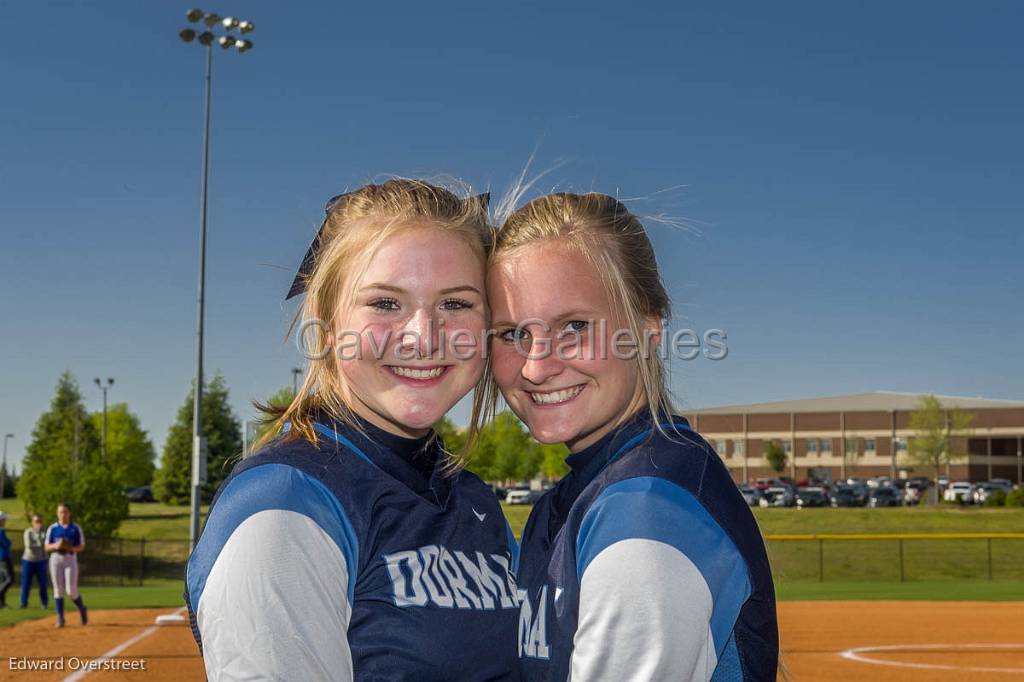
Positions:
(533, 636)
(434, 575)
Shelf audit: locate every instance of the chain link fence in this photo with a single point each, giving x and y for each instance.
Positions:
(896, 557)
(117, 561)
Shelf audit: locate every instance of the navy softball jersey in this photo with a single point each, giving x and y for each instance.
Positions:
(645, 563)
(358, 559)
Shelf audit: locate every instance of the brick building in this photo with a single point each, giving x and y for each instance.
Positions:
(860, 435)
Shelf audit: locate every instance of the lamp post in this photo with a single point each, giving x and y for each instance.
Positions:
(104, 387)
(3, 471)
(206, 39)
(296, 371)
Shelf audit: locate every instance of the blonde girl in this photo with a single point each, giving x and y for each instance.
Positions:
(353, 547)
(644, 562)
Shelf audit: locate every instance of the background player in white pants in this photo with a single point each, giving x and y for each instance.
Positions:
(64, 540)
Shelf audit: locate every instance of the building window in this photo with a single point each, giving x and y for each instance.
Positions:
(787, 446)
(812, 446)
(851, 446)
(720, 448)
(869, 445)
(901, 445)
(737, 448)
(826, 447)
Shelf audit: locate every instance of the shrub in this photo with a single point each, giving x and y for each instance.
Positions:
(1015, 498)
(997, 498)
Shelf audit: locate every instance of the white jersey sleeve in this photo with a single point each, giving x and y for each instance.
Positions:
(661, 586)
(271, 581)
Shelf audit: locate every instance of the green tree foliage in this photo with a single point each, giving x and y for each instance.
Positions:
(172, 483)
(1015, 498)
(938, 434)
(283, 398)
(507, 452)
(454, 438)
(10, 480)
(62, 464)
(552, 462)
(130, 453)
(775, 455)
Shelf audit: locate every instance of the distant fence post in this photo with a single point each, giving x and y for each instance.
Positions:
(142, 561)
(821, 560)
(988, 541)
(901, 559)
(120, 561)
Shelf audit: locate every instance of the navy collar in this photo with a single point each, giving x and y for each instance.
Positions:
(417, 463)
(586, 464)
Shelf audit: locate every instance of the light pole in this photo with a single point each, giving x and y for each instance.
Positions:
(205, 39)
(104, 387)
(3, 471)
(296, 371)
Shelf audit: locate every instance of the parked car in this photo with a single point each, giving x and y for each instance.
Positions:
(141, 494)
(914, 492)
(499, 492)
(885, 496)
(1003, 483)
(519, 496)
(958, 491)
(982, 491)
(777, 496)
(765, 483)
(847, 496)
(751, 495)
(811, 497)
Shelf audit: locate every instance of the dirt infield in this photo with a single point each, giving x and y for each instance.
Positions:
(821, 640)
(892, 640)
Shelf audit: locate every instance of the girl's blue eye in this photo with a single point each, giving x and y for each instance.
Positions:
(455, 304)
(384, 304)
(513, 335)
(577, 326)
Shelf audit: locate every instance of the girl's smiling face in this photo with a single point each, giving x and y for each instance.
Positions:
(408, 346)
(544, 296)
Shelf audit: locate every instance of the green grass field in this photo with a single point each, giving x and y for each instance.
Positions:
(864, 569)
(163, 594)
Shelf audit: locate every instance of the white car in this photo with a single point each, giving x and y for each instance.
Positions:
(958, 491)
(519, 496)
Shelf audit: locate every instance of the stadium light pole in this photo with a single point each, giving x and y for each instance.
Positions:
(296, 371)
(104, 387)
(3, 471)
(206, 39)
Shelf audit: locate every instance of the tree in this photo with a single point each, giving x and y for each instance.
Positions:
(938, 434)
(172, 483)
(10, 479)
(552, 462)
(505, 451)
(283, 398)
(130, 453)
(62, 464)
(775, 456)
(453, 437)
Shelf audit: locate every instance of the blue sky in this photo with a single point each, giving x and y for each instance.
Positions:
(853, 170)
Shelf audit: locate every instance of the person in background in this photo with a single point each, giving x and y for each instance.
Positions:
(33, 562)
(6, 569)
(64, 540)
